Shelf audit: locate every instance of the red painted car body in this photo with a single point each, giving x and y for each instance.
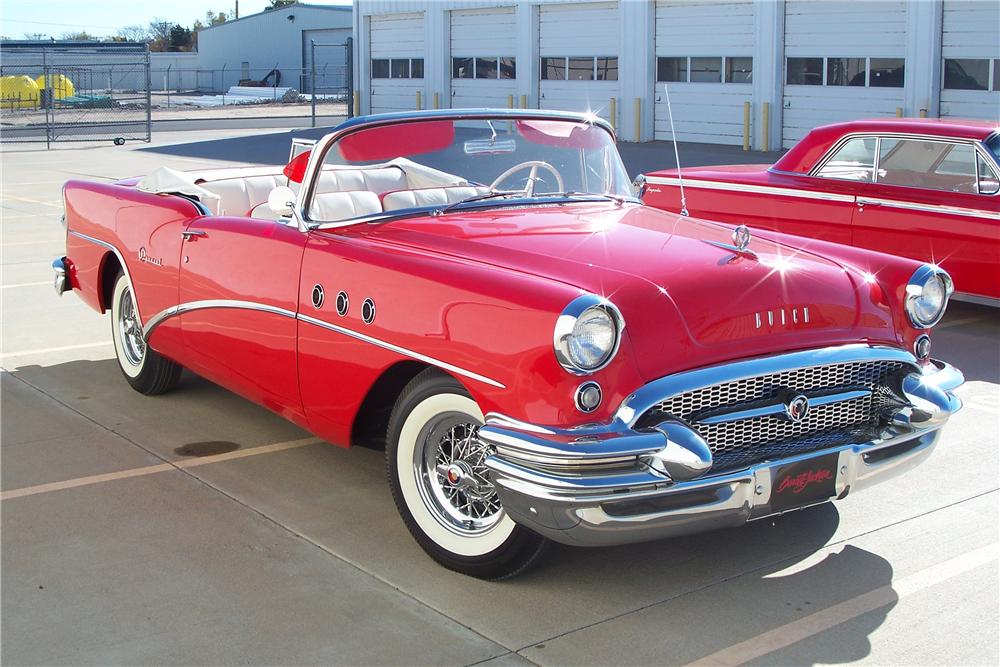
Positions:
(325, 323)
(919, 215)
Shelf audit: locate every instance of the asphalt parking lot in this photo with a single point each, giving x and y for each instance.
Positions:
(128, 539)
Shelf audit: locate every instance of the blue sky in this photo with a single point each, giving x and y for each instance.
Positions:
(105, 17)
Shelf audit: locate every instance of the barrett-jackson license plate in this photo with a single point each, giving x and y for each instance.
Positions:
(804, 482)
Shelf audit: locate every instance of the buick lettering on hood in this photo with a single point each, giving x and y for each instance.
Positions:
(542, 356)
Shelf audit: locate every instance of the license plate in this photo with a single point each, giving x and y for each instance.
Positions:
(804, 482)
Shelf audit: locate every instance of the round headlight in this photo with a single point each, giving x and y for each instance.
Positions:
(587, 334)
(927, 296)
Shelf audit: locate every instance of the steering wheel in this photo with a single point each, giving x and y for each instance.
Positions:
(529, 188)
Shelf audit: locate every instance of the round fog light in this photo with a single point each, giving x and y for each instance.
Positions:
(922, 347)
(588, 396)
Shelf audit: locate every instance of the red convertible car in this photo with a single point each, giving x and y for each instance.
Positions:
(918, 188)
(544, 357)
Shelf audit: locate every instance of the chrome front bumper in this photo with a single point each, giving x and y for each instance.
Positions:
(578, 487)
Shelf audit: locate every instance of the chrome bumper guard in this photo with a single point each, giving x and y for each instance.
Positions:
(609, 484)
(61, 282)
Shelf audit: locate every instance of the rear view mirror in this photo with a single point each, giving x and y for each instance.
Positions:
(281, 201)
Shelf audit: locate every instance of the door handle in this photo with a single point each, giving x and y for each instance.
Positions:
(866, 202)
(187, 235)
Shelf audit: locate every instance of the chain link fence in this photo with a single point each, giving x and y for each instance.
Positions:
(74, 92)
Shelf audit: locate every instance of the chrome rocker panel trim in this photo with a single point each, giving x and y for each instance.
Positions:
(610, 484)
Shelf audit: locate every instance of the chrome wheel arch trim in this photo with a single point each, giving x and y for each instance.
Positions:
(166, 314)
(124, 265)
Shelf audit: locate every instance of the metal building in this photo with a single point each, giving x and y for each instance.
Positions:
(760, 71)
(253, 47)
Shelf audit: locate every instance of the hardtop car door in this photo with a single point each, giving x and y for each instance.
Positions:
(238, 296)
(935, 200)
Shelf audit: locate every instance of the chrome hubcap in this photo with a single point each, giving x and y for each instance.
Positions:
(449, 463)
(129, 330)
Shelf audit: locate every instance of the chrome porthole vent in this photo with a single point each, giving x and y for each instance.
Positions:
(343, 303)
(368, 311)
(317, 296)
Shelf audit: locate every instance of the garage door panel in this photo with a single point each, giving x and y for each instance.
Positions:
(578, 29)
(396, 36)
(483, 33)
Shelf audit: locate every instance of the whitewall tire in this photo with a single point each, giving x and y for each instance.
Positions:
(145, 370)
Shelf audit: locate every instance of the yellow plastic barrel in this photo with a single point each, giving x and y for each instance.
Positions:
(59, 83)
(18, 92)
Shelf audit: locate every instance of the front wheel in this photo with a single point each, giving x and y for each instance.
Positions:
(436, 471)
(146, 371)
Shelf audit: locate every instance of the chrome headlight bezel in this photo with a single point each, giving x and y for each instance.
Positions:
(915, 290)
(566, 323)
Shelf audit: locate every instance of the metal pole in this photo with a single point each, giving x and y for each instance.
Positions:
(149, 97)
(353, 109)
(41, 98)
(312, 82)
(166, 84)
(222, 83)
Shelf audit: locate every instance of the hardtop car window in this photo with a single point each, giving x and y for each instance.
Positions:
(935, 165)
(439, 163)
(854, 161)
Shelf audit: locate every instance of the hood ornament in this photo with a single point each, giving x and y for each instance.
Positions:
(741, 242)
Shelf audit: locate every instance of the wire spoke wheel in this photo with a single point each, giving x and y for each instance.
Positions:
(449, 465)
(129, 331)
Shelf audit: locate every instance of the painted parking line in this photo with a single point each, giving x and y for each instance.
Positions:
(45, 350)
(33, 201)
(153, 469)
(35, 242)
(16, 285)
(813, 624)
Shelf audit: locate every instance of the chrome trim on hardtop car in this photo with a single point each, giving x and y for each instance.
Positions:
(610, 484)
(928, 208)
(121, 261)
(692, 182)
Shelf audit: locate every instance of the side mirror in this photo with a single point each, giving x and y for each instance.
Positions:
(639, 186)
(281, 201)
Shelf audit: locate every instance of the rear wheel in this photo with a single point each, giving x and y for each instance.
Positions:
(438, 478)
(145, 370)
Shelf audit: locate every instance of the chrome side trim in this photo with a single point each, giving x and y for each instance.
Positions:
(401, 350)
(124, 265)
(928, 208)
(164, 315)
(757, 189)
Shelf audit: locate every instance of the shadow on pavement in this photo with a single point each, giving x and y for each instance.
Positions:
(265, 149)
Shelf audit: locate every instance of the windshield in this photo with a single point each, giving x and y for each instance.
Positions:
(449, 164)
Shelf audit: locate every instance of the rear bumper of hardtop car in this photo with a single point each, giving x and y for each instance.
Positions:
(573, 487)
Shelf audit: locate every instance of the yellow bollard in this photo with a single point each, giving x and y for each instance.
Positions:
(746, 126)
(357, 103)
(923, 113)
(638, 119)
(524, 101)
(437, 102)
(510, 101)
(767, 126)
(899, 112)
(419, 100)
(614, 113)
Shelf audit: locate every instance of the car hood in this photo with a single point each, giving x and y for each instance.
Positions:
(684, 299)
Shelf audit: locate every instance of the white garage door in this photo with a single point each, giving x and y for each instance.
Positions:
(843, 61)
(331, 59)
(971, 51)
(578, 45)
(397, 66)
(704, 52)
(483, 66)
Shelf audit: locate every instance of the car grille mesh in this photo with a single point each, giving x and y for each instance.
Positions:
(747, 441)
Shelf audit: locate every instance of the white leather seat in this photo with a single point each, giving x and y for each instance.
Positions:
(238, 196)
(394, 201)
(336, 206)
(381, 179)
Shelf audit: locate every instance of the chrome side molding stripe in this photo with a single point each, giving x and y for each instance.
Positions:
(759, 189)
(929, 208)
(400, 350)
(164, 315)
(124, 265)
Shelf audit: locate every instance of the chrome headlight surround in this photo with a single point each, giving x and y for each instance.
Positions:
(565, 329)
(927, 281)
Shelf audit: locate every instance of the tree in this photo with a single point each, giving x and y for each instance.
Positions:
(36, 36)
(278, 4)
(211, 18)
(133, 33)
(180, 38)
(81, 36)
(159, 34)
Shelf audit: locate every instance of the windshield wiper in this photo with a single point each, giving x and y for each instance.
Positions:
(492, 194)
(571, 194)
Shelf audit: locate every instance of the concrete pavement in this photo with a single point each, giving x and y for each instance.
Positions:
(121, 547)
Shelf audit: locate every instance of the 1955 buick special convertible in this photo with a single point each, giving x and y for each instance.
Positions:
(544, 357)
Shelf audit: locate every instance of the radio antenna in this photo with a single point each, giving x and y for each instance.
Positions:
(677, 157)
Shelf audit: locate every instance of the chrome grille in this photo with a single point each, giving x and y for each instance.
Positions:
(746, 441)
